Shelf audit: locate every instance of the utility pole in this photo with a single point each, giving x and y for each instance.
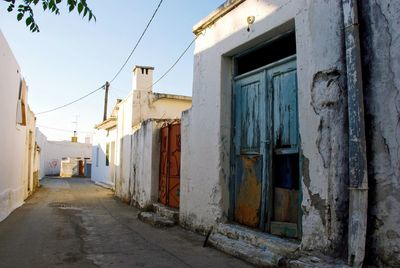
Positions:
(107, 86)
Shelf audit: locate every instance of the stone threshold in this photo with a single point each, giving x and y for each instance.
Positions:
(266, 250)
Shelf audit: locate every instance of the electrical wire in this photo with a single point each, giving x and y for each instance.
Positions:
(72, 102)
(64, 130)
(175, 63)
(119, 71)
(138, 41)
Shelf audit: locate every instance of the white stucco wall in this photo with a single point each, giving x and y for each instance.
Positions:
(205, 168)
(12, 136)
(136, 127)
(123, 147)
(100, 171)
(145, 163)
(41, 141)
(55, 150)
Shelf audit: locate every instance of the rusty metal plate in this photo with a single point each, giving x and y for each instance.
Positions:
(248, 192)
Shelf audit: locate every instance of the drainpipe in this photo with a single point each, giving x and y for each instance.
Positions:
(358, 179)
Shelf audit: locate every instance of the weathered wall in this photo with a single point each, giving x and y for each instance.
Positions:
(29, 158)
(157, 106)
(380, 23)
(12, 135)
(145, 163)
(322, 115)
(41, 141)
(55, 150)
(123, 148)
(100, 171)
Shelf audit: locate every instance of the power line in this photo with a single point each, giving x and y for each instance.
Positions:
(72, 102)
(65, 130)
(175, 63)
(119, 71)
(138, 41)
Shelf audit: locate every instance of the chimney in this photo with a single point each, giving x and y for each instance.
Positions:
(142, 78)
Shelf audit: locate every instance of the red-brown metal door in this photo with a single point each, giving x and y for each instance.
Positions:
(170, 165)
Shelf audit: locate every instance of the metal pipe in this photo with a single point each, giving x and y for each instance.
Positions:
(358, 177)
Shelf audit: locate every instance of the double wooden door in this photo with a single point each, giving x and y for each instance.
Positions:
(265, 159)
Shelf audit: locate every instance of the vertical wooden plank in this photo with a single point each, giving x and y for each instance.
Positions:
(174, 154)
(163, 165)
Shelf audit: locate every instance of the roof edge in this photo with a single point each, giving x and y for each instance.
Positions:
(213, 17)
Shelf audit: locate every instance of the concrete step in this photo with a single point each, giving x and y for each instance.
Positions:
(164, 211)
(265, 250)
(155, 219)
(238, 248)
(258, 239)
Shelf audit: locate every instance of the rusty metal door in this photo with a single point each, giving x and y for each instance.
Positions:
(249, 149)
(170, 165)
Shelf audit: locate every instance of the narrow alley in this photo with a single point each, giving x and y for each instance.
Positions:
(74, 223)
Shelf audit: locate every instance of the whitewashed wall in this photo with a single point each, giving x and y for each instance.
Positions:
(41, 141)
(145, 163)
(205, 168)
(100, 172)
(55, 150)
(12, 136)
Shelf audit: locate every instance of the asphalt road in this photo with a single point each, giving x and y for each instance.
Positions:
(74, 223)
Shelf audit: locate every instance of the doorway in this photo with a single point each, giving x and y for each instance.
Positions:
(265, 148)
(170, 164)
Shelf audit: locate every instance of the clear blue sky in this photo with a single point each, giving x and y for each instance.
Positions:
(71, 57)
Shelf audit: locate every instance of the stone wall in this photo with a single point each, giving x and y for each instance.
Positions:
(381, 74)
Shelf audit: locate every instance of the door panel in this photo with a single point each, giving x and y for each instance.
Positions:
(170, 165)
(285, 174)
(163, 165)
(174, 155)
(249, 124)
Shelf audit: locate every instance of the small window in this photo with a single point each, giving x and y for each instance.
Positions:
(21, 105)
(265, 54)
(107, 154)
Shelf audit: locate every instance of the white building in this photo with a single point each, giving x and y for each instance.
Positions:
(55, 151)
(18, 163)
(131, 135)
(103, 150)
(266, 143)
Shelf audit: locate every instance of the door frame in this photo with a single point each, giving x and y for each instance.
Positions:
(267, 187)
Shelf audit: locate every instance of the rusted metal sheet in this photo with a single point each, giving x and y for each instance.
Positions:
(248, 196)
(170, 165)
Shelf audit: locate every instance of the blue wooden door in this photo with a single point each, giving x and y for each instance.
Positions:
(265, 162)
(249, 151)
(284, 172)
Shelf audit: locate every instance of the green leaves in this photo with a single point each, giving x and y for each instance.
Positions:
(48, 5)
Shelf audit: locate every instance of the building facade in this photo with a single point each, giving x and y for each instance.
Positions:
(129, 140)
(275, 138)
(18, 166)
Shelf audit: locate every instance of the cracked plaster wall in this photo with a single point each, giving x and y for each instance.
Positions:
(380, 24)
(322, 113)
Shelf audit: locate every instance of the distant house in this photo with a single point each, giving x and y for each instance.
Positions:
(20, 154)
(274, 146)
(129, 140)
(103, 150)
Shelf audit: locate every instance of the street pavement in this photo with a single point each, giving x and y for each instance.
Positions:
(75, 223)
